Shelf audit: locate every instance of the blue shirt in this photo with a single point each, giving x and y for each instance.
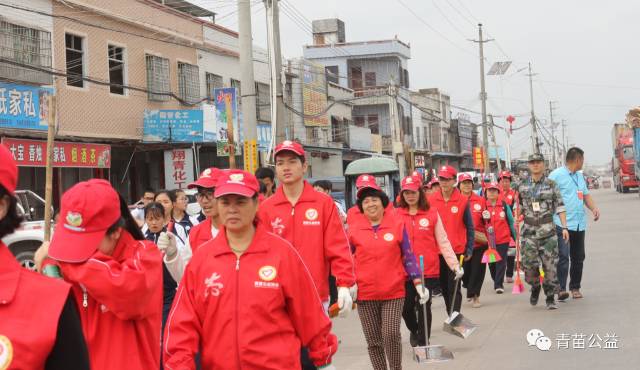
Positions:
(569, 184)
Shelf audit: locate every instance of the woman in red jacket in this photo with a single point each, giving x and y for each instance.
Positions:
(116, 277)
(246, 298)
(383, 257)
(39, 324)
(475, 269)
(427, 238)
(502, 223)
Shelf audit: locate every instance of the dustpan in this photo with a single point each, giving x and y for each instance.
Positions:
(456, 324)
(431, 353)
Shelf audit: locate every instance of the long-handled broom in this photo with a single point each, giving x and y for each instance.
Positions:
(518, 286)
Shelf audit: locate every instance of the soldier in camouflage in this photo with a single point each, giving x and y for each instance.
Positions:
(540, 198)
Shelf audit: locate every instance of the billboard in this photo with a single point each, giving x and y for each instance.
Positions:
(178, 168)
(226, 109)
(314, 94)
(173, 125)
(24, 107)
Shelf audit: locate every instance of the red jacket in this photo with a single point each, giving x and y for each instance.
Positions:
(378, 258)
(252, 312)
(200, 234)
(314, 228)
(421, 230)
(499, 222)
(119, 299)
(30, 306)
(478, 204)
(508, 197)
(452, 215)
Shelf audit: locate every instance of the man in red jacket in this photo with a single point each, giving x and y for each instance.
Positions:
(246, 299)
(207, 229)
(116, 280)
(310, 221)
(458, 223)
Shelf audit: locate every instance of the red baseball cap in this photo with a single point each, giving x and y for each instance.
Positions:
(464, 177)
(208, 178)
(8, 170)
(366, 182)
(289, 146)
(433, 181)
(237, 182)
(493, 185)
(447, 172)
(504, 174)
(411, 183)
(87, 210)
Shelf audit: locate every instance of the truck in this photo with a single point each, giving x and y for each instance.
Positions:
(633, 122)
(623, 163)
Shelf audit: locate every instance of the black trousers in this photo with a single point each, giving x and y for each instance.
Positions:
(333, 290)
(447, 284)
(412, 309)
(474, 272)
(498, 269)
(571, 259)
(511, 264)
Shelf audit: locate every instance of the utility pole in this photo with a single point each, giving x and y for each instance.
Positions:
(397, 139)
(248, 98)
(553, 135)
(48, 187)
(483, 97)
(534, 132)
(495, 144)
(564, 145)
(275, 64)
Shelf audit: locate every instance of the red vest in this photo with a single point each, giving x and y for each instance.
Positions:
(452, 215)
(30, 307)
(477, 204)
(380, 274)
(421, 228)
(500, 222)
(200, 234)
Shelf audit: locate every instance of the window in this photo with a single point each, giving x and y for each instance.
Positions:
(213, 82)
(356, 78)
(370, 79)
(263, 102)
(359, 121)
(318, 39)
(627, 152)
(188, 83)
(332, 74)
(237, 85)
(406, 78)
(158, 78)
(75, 60)
(28, 46)
(116, 69)
(372, 121)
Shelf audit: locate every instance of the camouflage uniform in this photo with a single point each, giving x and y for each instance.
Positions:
(538, 238)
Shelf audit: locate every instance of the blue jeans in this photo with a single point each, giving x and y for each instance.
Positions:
(563, 260)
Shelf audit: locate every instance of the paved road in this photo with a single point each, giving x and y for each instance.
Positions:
(611, 305)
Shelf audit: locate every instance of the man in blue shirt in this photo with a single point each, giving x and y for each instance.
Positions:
(575, 195)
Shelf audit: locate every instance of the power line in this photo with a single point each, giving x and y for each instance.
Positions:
(447, 19)
(432, 28)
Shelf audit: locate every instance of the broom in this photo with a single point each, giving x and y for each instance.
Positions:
(491, 255)
(518, 286)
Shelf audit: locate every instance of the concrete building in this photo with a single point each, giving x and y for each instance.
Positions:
(367, 68)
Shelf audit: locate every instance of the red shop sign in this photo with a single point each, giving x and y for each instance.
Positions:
(33, 153)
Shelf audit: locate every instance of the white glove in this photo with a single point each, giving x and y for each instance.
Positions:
(167, 244)
(423, 293)
(354, 292)
(345, 302)
(459, 272)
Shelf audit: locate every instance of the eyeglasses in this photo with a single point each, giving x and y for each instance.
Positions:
(205, 193)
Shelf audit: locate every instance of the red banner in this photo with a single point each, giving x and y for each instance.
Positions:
(33, 153)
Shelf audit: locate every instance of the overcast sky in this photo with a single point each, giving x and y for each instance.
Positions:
(585, 53)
